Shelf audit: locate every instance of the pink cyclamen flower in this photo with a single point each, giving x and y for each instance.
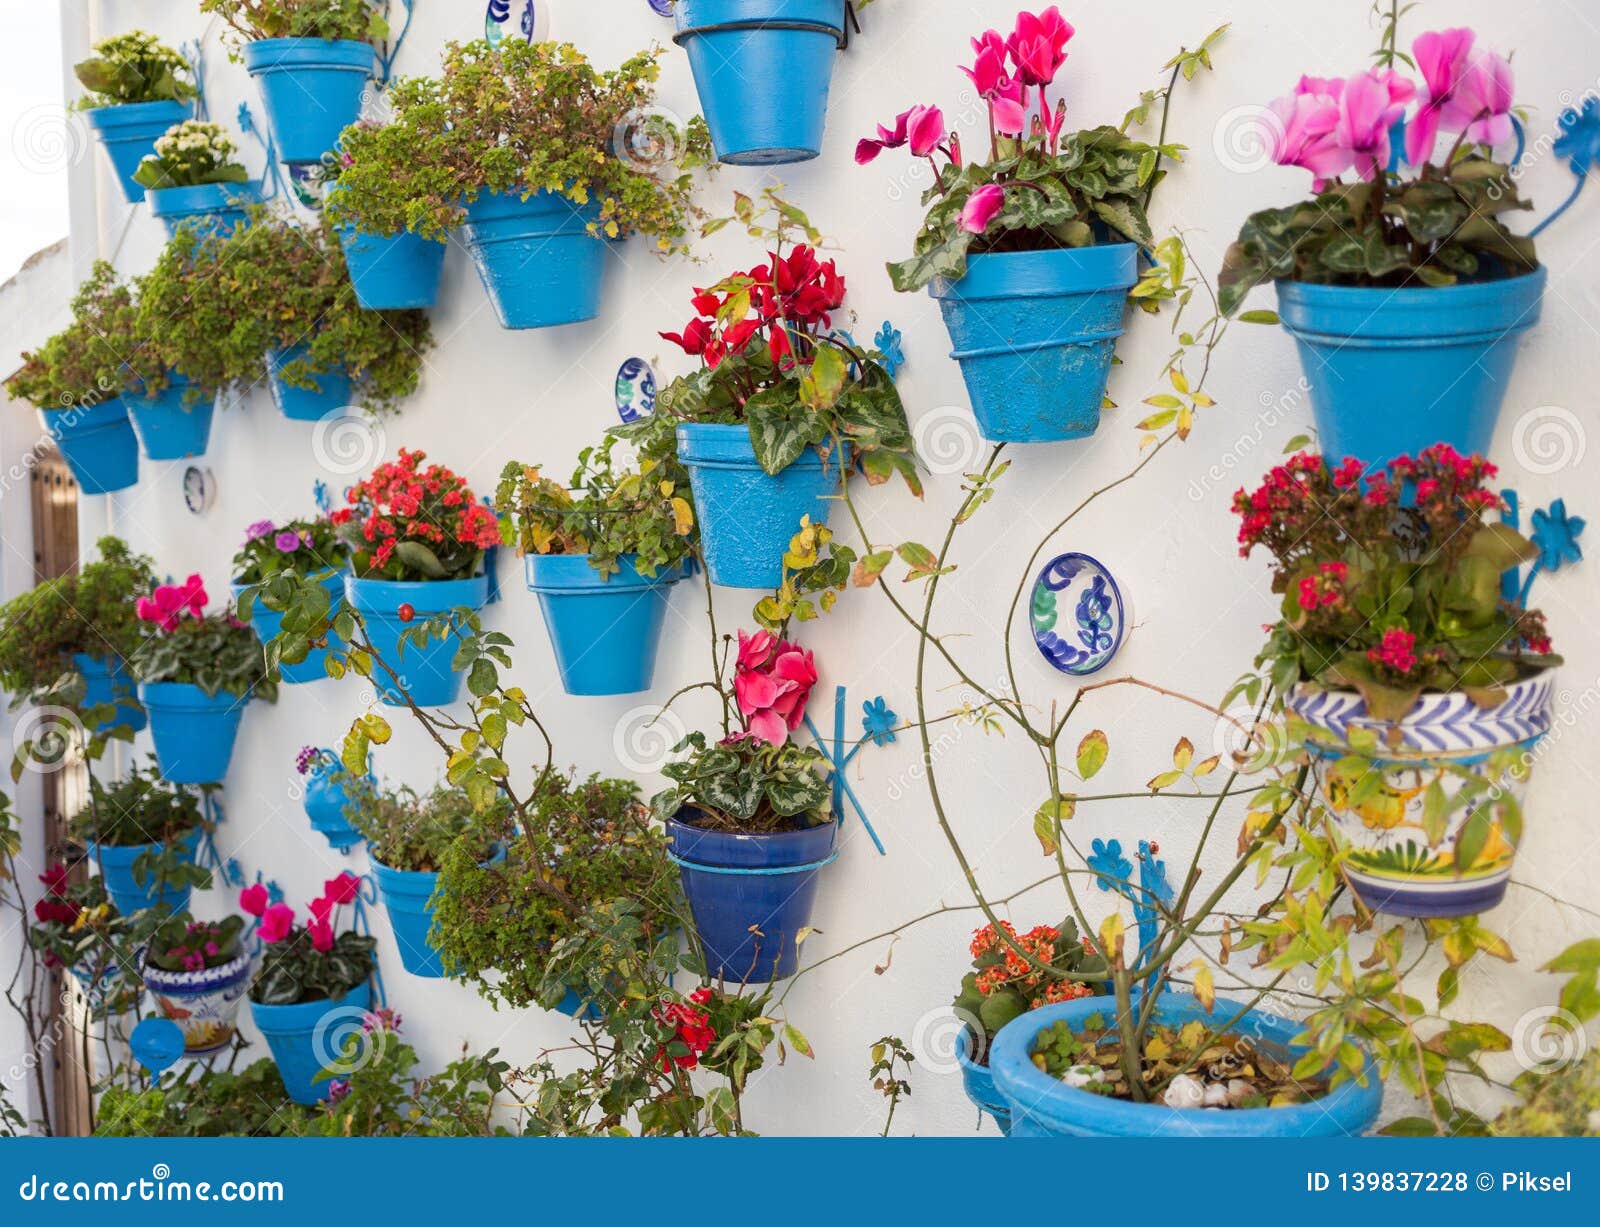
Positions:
(320, 908)
(922, 127)
(342, 889)
(1303, 127)
(988, 71)
(277, 922)
(1481, 104)
(1038, 45)
(1368, 108)
(321, 935)
(772, 682)
(981, 208)
(1441, 57)
(254, 899)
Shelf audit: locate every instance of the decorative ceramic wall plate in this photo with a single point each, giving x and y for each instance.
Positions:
(636, 390)
(528, 20)
(199, 489)
(1077, 614)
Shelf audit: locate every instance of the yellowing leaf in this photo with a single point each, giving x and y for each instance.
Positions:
(1092, 752)
(1182, 753)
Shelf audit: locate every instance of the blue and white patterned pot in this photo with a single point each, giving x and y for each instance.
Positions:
(1397, 860)
(203, 1003)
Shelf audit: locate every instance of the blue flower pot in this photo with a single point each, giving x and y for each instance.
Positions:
(573, 1006)
(734, 882)
(1043, 1106)
(1394, 371)
(98, 444)
(170, 424)
(978, 1083)
(329, 797)
(393, 272)
(407, 897)
(268, 622)
(536, 258)
(106, 681)
(1035, 332)
(748, 517)
(762, 69)
(129, 895)
(311, 89)
(214, 209)
(331, 395)
(129, 133)
(203, 1003)
(307, 1037)
(605, 632)
(425, 672)
(193, 732)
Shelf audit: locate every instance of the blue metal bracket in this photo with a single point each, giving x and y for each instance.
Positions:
(195, 53)
(1554, 534)
(247, 125)
(361, 922)
(390, 52)
(877, 728)
(1579, 143)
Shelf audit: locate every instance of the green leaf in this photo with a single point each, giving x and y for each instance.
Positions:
(1092, 753)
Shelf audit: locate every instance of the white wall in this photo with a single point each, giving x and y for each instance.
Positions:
(490, 395)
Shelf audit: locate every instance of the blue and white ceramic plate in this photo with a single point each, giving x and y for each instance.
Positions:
(663, 7)
(636, 390)
(1077, 614)
(528, 20)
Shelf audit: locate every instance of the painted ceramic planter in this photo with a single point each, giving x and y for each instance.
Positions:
(311, 89)
(605, 631)
(193, 732)
(1442, 358)
(98, 444)
(331, 393)
(129, 134)
(1397, 862)
(328, 799)
(211, 208)
(393, 272)
(762, 69)
(978, 1083)
(128, 893)
(408, 898)
(203, 1003)
(1043, 1106)
(307, 1037)
(107, 682)
(1035, 332)
(536, 258)
(171, 424)
(268, 623)
(736, 883)
(1077, 614)
(425, 672)
(747, 516)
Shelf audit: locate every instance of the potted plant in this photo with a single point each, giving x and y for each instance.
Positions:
(782, 407)
(76, 926)
(331, 793)
(1404, 290)
(514, 143)
(196, 674)
(417, 537)
(79, 625)
(313, 61)
(311, 984)
(138, 87)
(408, 835)
(1002, 986)
(191, 178)
(197, 972)
(1420, 687)
(602, 554)
(309, 549)
(142, 834)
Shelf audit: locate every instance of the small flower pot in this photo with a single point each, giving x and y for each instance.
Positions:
(170, 424)
(425, 672)
(978, 1083)
(750, 895)
(106, 681)
(393, 272)
(762, 69)
(307, 1037)
(130, 895)
(203, 1003)
(605, 631)
(1035, 332)
(747, 516)
(129, 133)
(1044, 1106)
(1392, 372)
(408, 898)
(98, 444)
(268, 623)
(536, 258)
(214, 209)
(330, 395)
(1392, 860)
(193, 732)
(311, 89)
(328, 801)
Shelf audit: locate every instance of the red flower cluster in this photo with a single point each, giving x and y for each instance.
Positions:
(1017, 973)
(1324, 588)
(401, 501)
(169, 603)
(1397, 650)
(56, 905)
(691, 1028)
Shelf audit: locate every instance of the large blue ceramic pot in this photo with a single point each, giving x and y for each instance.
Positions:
(269, 622)
(408, 898)
(212, 209)
(331, 393)
(193, 732)
(978, 1082)
(392, 272)
(98, 444)
(311, 89)
(172, 424)
(536, 258)
(107, 682)
(425, 672)
(604, 630)
(128, 893)
(308, 1037)
(129, 133)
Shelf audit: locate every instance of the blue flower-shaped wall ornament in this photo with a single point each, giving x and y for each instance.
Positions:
(877, 721)
(1579, 143)
(888, 343)
(1109, 864)
(1554, 534)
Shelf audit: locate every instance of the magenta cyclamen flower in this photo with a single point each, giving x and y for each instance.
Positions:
(921, 127)
(1038, 45)
(1368, 108)
(1441, 56)
(1481, 104)
(981, 207)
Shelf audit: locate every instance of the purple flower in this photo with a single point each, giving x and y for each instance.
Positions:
(288, 541)
(257, 530)
(338, 1088)
(308, 755)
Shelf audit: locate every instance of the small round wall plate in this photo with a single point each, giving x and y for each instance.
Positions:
(528, 20)
(662, 7)
(1077, 614)
(199, 489)
(635, 390)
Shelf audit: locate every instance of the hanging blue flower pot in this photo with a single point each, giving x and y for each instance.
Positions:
(573, 1006)
(331, 394)
(393, 272)
(978, 1083)
(407, 897)
(330, 795)
(425, 672)
(193, 732)
(735, 882)
(268, 622)
(311, 88)
(1035, 332)
(106, 681)
(605, 632)
(98, 444)
(747, 516)
(307, 1037)
(171, 424)
(762, 69)
(1044, 1106)
(1394, 371)
(129, 133)
(127, 892)
(210, 208)
(536, 258)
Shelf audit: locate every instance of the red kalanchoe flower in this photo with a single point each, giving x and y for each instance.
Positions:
(1396, 650)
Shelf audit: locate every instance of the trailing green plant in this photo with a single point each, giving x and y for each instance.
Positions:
(141, 809)
(183, 943)
(215, 652)
(198, 1099)
(311, 548)
(193, 153)
(252, 20)
(133, 67)
(415, 831)
(747, 785)
(310, 962)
